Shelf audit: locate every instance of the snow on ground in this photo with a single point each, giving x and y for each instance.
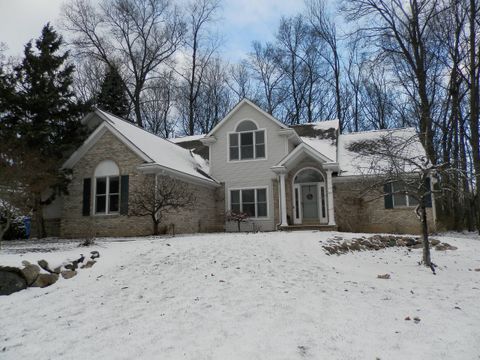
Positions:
(246, 296)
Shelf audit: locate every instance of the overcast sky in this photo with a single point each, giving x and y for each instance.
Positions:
(242, 21)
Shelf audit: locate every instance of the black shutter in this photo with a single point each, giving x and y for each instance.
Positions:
(428, 197)
(124, 195)
(388, 197)
(87, 190)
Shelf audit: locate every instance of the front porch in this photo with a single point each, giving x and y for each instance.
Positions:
(305, 191)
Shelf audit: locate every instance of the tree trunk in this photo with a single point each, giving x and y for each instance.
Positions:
(426, 245)
(39, 221)
(155, 226)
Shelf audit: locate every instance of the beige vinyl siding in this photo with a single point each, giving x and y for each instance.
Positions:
(249, 173)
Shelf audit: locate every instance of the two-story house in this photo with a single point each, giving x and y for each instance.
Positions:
(282, 177)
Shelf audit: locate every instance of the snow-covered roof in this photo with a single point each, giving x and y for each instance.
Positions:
(321, 136)
(322, 125)
(153, 149)
(325, 147)
(353, 164)
(187, 138)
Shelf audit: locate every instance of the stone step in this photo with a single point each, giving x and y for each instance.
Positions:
(309, 227)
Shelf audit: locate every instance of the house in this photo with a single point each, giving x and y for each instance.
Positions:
(283, 177)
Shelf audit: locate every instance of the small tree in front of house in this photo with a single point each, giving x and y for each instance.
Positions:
(237, 217)
(157, 196)
(396, 166)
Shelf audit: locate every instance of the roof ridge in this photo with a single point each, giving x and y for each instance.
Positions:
(314, 122)
(139, 127)
(379, 130)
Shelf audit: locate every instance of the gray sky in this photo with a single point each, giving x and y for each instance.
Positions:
(242, 21)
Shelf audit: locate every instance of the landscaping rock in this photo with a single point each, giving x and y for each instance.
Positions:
(417, 246)
(445, 246)
(89, 264)
(30, 273)
(44, 265)
(409, 241)
(11, 280)
(434, 242)
(44, 280)
(94, 255)
(384, 276)
(401, 242)
(68, 274)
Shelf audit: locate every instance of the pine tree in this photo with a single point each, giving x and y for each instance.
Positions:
(112, 96)
(40, 120)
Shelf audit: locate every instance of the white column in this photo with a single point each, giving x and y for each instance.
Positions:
(331, 210)
(283, 200)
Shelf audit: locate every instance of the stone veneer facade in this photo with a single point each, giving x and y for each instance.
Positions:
(205, 216)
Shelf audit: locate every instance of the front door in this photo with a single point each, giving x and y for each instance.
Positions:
(310, 203)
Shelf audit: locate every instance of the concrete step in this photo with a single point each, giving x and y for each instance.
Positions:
(317, 227)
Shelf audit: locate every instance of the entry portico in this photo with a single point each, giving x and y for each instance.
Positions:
(306, 189)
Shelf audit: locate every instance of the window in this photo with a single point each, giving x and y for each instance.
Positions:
(247, 143)
(250, 201)
(107, 188)
(396, 195)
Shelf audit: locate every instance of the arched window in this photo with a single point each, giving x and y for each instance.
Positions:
(247, 142)
(246, 125)
(107, 188)
(308, 176)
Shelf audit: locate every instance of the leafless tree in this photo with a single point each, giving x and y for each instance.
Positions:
(158, 196)
(394, 159)
(214, 98)
(139, 36)
(402, 33)
(267, 72)
(240, 81)
(201, 45)
(158, 105)
(325, 30)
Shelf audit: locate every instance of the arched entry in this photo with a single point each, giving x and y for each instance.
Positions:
(309, 197)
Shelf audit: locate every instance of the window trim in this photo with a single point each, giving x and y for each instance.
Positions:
(266, 188)
(254, 143)
(107, 196)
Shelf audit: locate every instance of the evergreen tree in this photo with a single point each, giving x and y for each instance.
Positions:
(112, 96)
(40, 120)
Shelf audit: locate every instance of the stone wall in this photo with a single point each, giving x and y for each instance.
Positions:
(368, 213)
(202, 217)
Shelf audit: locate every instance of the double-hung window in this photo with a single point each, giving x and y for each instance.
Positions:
(401, 197)
(107, 194)
(107, 188)
(250, 201)
(247, 143)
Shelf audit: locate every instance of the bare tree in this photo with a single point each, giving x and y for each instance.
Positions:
(201, 45)
(325, 30)
(215, 97)
(159, 195)
(158, 105)
(397, 163)
(267, 72)
(136, 35)
(240, 81)
(402, 33)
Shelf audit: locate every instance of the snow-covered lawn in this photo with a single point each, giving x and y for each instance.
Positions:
(247, 296)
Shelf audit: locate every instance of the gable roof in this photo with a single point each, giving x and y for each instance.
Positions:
(353, 164)
(189, 138)
(234, 110)
(153, 149)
